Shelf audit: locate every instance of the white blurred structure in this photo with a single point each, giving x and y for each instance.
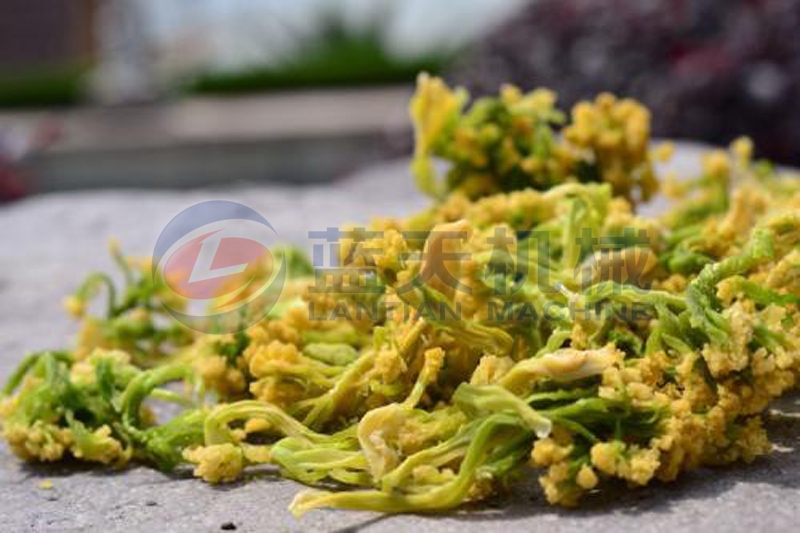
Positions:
(146, 42)
(124, 72)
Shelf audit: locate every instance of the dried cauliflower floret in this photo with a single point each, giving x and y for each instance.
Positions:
(219, 463)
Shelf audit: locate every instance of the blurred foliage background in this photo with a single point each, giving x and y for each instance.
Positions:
(708, 69)
(81, 80)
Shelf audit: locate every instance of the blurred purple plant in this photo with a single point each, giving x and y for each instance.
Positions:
(708, 69)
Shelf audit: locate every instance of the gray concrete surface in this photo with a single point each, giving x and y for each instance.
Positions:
(48, 243)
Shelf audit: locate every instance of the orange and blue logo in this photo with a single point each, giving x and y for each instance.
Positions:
(214, 258)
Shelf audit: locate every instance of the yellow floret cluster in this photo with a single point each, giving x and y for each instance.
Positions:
(531, 317)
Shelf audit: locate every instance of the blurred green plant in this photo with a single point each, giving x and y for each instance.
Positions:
(333, 55)
(53, 86)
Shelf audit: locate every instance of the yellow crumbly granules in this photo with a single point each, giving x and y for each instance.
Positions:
(531, 317)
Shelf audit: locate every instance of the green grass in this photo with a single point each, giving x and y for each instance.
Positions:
(336, 57)
(43, 87)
